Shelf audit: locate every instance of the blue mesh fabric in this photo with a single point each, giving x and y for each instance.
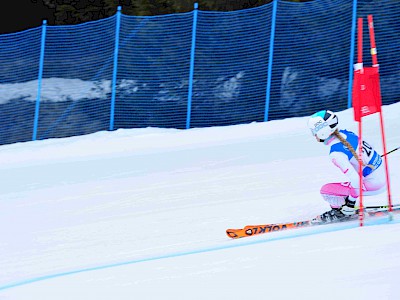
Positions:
(77, 73)
(153, 71)
(19, 62)
(310, 68)
(231, 62)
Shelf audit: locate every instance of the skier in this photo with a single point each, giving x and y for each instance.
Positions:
(343, 145)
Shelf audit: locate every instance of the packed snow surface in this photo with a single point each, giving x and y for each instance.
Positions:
(142, 214)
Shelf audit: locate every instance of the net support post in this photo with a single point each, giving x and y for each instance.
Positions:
(191, 71)
(270, 60)
(115, 68)
(352, 51)
(40, 76)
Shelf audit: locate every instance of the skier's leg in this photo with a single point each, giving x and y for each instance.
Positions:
(336, 193)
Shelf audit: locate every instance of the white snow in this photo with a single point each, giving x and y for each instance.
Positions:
(59, 89)
(142, 214)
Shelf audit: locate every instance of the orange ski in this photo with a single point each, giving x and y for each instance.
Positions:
(250, 230)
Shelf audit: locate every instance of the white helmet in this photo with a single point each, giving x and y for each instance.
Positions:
(323, 123)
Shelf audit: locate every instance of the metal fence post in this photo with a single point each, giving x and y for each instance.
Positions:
(191, 74)
(270, 59)
(115, 68)
(41, 61)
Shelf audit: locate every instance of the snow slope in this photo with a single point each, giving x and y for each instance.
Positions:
(142, 213)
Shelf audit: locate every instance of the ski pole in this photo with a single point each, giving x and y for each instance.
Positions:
(391, 151)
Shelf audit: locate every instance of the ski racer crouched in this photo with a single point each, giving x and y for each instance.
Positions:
(343, 144)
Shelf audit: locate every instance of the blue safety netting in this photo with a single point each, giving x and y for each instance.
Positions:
(231, 67)
(195, 69)
(77, 73)
(153, 71)
(311, 57)
(19, 63)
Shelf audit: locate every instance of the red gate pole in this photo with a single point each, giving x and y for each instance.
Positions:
(374, 55)
(360, 40)
(372, 41)
(360, 165)
(361, 70)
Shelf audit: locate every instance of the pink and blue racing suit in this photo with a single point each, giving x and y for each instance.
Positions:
(374, 180)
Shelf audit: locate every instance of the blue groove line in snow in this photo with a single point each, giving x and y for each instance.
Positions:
(235, 243)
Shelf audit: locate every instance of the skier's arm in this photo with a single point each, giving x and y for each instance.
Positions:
(341, 161)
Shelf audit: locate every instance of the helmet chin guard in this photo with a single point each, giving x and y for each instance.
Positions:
(323, 123)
